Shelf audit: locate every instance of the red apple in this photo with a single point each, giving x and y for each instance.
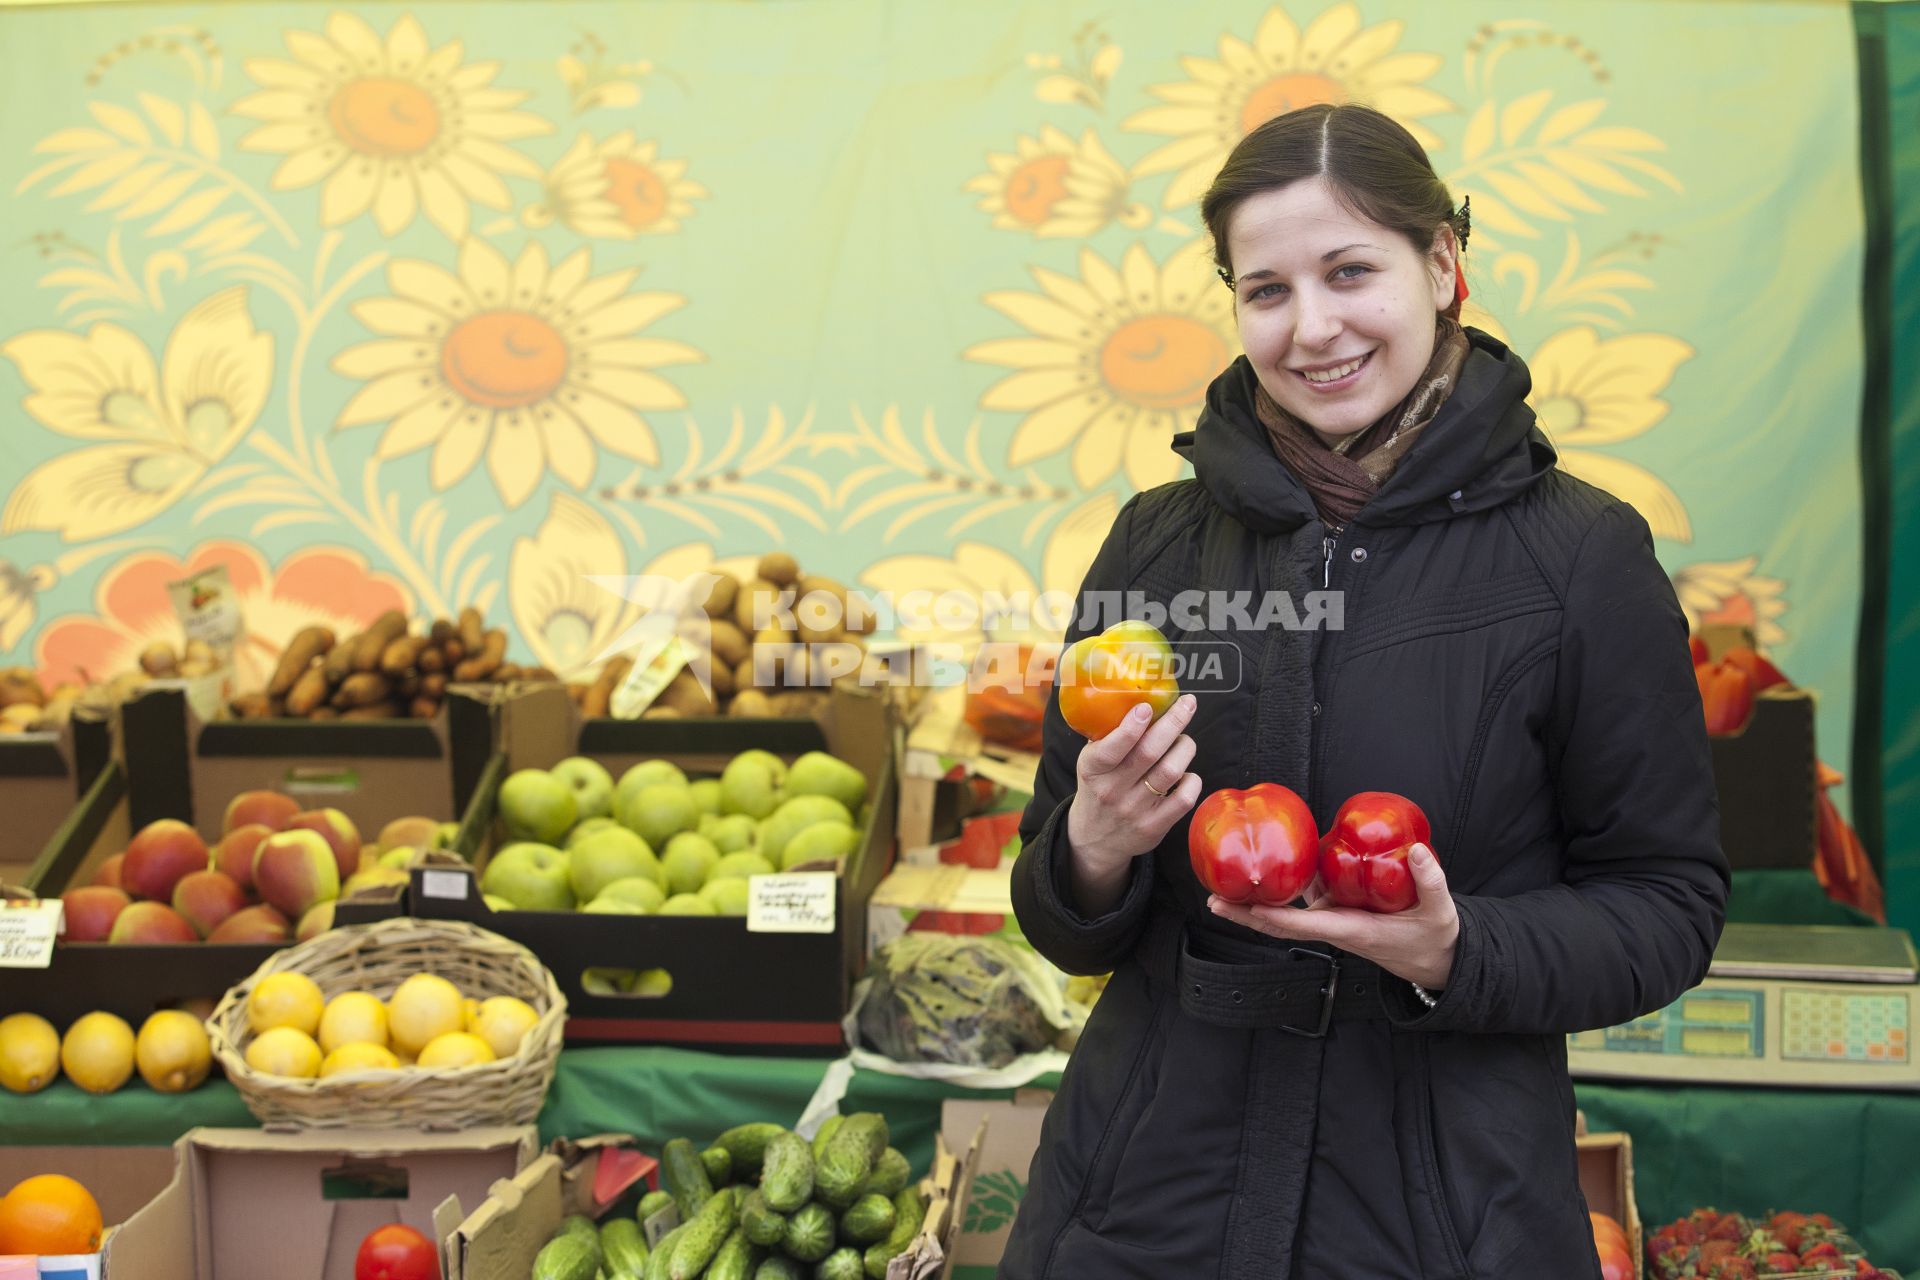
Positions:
(253, 924)
(160, 856)
(293, 869)
(206, 898)
(318, 920)
(268, 808)
(91, 911)
(109, 872)
(337, 829)
(144, 922)
(234, 853)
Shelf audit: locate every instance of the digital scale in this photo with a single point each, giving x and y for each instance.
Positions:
(1795, 1005)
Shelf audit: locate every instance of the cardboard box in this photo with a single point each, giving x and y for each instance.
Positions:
(128, 980)
(964, 886)
(1766, 774)
(42, 776)
(1606, 1179)
(245, 1204)
(731, 987)
(948, 772)
(1012, 1137)
(374, 771)
(505, 1232)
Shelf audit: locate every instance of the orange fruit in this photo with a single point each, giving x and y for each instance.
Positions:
(49, 1214)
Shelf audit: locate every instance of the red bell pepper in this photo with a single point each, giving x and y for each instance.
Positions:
(1726, 693)
(1257, 845)
(1763, 673)
(1363, 859)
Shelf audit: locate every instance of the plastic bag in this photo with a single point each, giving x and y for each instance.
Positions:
(969, 1001)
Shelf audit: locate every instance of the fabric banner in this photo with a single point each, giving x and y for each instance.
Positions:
(426, 306)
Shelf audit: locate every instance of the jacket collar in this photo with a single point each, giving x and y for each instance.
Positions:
(1483, 445)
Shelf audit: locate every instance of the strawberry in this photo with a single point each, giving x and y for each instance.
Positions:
(1779, 1264)
(1824, 1254)
(1713, 1251)
(1729, 1226)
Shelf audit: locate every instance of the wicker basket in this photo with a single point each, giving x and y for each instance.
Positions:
(377, 958)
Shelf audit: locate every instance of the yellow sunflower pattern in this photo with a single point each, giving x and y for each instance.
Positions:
(501, 305)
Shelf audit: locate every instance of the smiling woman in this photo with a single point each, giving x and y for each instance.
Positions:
(1370, 1086)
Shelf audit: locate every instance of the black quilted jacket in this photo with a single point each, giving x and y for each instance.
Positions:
(1514, 660)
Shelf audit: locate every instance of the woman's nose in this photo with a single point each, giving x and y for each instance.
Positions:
(1316, 320)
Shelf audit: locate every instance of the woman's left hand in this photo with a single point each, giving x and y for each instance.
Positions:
(1415, 944)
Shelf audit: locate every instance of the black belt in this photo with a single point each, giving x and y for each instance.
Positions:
(1304, 990)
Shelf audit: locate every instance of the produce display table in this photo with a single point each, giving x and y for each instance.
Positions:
(1848, 1154)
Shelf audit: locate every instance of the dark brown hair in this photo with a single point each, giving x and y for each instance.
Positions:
(1374, 166)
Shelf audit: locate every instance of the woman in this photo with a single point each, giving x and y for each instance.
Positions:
(1326, 1094)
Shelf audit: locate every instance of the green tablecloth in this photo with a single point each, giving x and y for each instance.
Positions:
(1854, 1155)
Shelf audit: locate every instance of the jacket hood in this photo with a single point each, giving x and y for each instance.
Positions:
(1480, 450)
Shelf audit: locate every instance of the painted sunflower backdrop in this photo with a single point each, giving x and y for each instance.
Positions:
(447, 304)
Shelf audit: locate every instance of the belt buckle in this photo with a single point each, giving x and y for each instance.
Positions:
(1326, 993)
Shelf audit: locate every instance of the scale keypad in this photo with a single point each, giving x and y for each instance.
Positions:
(1827, 1026)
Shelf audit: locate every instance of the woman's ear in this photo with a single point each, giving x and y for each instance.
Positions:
(1444, 257)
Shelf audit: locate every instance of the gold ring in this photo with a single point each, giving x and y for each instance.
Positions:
(1157, 791)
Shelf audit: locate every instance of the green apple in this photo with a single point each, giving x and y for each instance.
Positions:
(687, 904)
(613, 907)
(742, 864)
(587, 827)
(536, 806)
(446, 835)
(821, 842)
(735, 833)
(605, 982)
(606, 856)
(397, 857)
(497, 903)
(592, 785)
(751, 783)
(649, 982)
(646, 774)
(688, 860)
(642, 891)
(726, 895)
(659, 812)
(706, 796)
(533, 877)
(795, 816)
(818, 774)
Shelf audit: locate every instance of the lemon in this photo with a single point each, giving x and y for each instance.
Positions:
(98, 1053)
(502, 1022)
(285, 1051)
(285, 1000)
(358, 1056)
(425, 1008)
(472, 1008)
(172, 1052)
(353, 1018)
(455, 1049)
(29, 1053)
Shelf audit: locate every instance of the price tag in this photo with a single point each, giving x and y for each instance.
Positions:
(655, 664)
(663, 1220)
(27, 931)
(793, 902)
(451, 885)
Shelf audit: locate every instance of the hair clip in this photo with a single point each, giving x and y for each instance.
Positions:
(1226, 277)
(1466, 219)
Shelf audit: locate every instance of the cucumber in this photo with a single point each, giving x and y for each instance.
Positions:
(652, 1202)
(908, 1212)
(568, 1256)
(849, 1158)
(686, 1177)
(869, 1220)
(891, 1172)
(810, 1234)
(623, 1249)
(736, 1258)
(747, 1144)
(787, 1178)
(662, 1254)
(763, 1224)
(825, 1134)
(841, 1264)
(719, 1162)
(775, 1267)
(703, 1238)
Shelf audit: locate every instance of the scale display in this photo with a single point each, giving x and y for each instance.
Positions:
(1775, 1030)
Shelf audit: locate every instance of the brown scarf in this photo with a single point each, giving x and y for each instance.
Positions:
(1342, 479)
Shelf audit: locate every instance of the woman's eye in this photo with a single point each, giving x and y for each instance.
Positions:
(1265, 291)
(1352, 271)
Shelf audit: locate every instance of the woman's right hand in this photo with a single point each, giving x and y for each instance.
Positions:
(1116, 814)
